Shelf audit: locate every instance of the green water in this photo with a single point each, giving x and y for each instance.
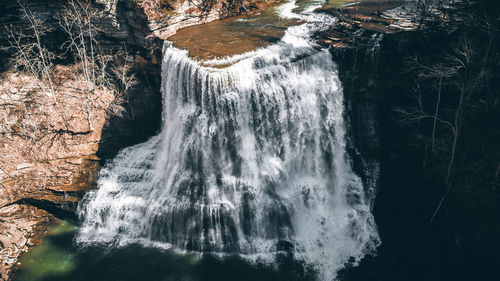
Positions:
(58, 258)
(50, 259)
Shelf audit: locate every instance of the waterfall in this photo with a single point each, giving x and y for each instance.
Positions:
(249, 157)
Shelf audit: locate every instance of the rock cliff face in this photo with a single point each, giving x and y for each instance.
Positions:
(48, 161)
(53, 143)
(122, 28)
(461, 243)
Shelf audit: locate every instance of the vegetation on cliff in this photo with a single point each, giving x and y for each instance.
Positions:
(63, 81)
(438, 112)
(454, 107)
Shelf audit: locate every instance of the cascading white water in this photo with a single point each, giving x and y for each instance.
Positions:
(248, 156)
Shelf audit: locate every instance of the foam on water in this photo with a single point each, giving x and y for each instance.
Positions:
(249, 156)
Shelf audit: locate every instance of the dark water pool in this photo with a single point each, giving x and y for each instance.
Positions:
(58, 258)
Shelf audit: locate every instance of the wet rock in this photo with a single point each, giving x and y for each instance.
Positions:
(17, 233)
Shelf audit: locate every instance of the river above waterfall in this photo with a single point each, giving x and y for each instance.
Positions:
(232, 36)
(238, 35)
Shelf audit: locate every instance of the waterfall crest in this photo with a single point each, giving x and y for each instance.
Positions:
(248, 157)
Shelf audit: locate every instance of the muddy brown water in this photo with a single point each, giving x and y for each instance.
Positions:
(232, 36)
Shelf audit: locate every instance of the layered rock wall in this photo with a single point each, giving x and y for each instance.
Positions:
(53, 141)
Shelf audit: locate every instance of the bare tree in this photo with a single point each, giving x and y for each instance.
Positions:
(30, 54)
(78, 19)
(126, 80)
(455, 71)
(424, 8)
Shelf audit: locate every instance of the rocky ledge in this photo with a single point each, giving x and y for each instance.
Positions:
(48, 144)
(359, 24)
(167, 16)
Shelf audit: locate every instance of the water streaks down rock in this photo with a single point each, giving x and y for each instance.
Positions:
(249, 156)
